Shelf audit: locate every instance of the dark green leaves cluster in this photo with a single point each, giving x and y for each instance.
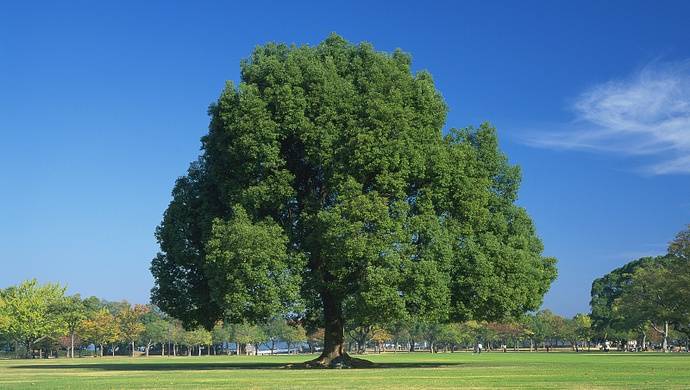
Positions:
(251, 274)
(326, 169)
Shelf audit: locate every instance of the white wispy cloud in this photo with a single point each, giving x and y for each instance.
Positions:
(647, 114)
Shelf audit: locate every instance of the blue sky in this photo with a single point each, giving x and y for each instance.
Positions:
(102, 107)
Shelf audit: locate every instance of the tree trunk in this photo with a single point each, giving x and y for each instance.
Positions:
(72, 345)
(333, 354)
(665, 342)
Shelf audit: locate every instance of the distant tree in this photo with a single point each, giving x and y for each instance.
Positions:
(360, 334)
(155, 331)
(73, 311)
(294, 335)
(379, 337)
(653, 295)
(177, 335)
(101, 328)
(450, 336)
(680, 246)
(275, 330)
(131, 326)
(679, 287)
(327, 185)
(581, 325)
(220, 335)
(315, 339)
(4, 318)
(32, 312)
(507, 332)
(546, 327)
(199, 337)
(247, 334)
(605, 290)
(431, 332)
(188, 339)
(400, 330)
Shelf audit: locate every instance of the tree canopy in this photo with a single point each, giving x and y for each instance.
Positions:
(30, 312)
(648, 292)
(327, 189)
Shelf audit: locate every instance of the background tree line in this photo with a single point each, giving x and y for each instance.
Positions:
(41, 321)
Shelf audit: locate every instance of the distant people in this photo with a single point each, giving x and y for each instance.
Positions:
(479, 348)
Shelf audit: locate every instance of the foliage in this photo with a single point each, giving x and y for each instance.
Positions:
(605, 291)
(680, 246)
(101, 329)
(129, 319)
(657, 295)
(248, 334)
(30, 312)
(326, 169)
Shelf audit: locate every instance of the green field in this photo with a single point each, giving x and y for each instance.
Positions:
(402, 370)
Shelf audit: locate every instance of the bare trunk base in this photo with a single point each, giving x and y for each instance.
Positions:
(334, 355)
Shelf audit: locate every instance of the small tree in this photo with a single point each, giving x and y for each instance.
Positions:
(199, 337)
(275, 330)
(582, 328)
(73, 311)
(247, 334)
(32, 312)
(155, 331)
(680, 246)
(102, 329)
(294, 335)
(220, 335)
(315, 339)
(379, 337)
(131, 326)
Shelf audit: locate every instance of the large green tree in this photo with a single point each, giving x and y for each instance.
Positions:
(326, 188)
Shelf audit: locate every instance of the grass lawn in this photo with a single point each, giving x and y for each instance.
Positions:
(402, 370)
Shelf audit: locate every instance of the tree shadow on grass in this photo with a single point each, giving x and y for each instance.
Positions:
(201, 366)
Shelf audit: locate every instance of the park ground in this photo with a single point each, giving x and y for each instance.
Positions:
(401, 371)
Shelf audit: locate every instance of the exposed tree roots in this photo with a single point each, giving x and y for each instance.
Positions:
(341, 361)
